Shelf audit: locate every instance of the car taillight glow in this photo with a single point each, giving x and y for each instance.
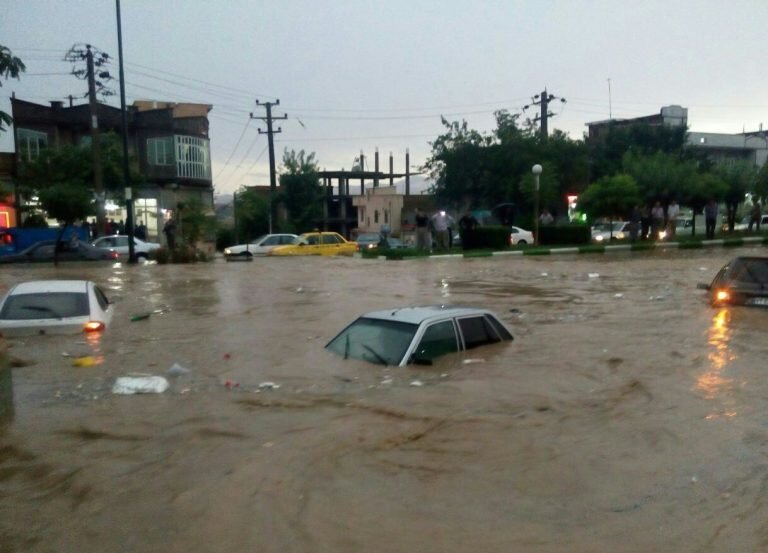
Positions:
(93, 326)
(722, 296)
(115, 255)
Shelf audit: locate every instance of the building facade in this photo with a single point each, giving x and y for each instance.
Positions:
(168, 144)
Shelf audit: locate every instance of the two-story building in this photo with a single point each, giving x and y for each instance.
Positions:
(168, 144)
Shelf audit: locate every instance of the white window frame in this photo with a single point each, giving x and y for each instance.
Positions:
(30, 143)
(160, 151)
(193, 157)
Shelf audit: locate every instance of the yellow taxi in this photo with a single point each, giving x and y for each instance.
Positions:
(318, 243)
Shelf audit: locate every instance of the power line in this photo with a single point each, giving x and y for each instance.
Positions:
(242, 134)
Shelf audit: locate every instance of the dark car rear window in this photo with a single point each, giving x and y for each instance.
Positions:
(750, 271)
(54, 305)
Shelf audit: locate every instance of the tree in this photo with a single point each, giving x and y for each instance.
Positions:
(760, 188)
(196, 222)
(251, 214)
(660, 176)
(300, 190)
(611, 197)
(10, 67)
(739, 178)
(699, 190)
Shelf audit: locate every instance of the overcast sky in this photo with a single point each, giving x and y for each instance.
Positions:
(357, 75)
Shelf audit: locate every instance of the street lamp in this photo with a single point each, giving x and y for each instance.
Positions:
(536, 170)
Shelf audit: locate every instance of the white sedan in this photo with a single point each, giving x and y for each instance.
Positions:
(54, 307)
(261, 245)
(119, 243)
(520, 236)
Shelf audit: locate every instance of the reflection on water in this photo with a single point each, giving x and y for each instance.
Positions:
(712, 382)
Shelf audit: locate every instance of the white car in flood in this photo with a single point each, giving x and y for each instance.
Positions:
(261, 245)
(520, 236)
(119, 243)
(54, 307)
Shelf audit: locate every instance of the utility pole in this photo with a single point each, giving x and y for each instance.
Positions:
(272, 176)
(543, 101)
(98, 183)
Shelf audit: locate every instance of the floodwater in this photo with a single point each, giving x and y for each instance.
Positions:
(627, 415)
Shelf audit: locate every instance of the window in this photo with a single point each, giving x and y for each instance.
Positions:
(477, 332)
(101, 298)
(330, 239)
(438, 339)
(386, 216)
(30, 143)
(376, 216)
(160, 151)
(271, 241)
(54, 305)
(193, 157)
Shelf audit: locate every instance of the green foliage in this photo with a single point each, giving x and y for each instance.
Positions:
(197, 223)
(300, 190)
(739, 179)
(251, 215)
(760, 187)
(565, 234)
(611, 197)
(225, 236)
(35, 220)
(183, 253)
(10, 67)
(67, 202)
(660, 176)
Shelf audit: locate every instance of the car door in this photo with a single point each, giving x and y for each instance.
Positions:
(438, 339)
(331, 245)
(477, 331)
(267, 244)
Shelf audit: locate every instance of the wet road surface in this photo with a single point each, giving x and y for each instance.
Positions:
(627, 415)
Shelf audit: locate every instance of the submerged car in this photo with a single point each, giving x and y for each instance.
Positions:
(318, 243)
(54, 307)
(260, 246)
(418, 335)
(618, 230)
(743, 281)
(68, 251)
(119, 243)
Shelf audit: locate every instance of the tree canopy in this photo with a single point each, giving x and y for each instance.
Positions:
(10, 67)
(300, 191)
(611, 196)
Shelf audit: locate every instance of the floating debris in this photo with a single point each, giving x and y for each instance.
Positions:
(128, 385)
(177, 370)
(417, 383)
(268, 386)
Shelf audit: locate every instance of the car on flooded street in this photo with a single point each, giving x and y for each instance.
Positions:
(417, 335)
(54, 307)
(742, 281)
(260, 246)
(605, 232)
(119, 243)
(68, 251)
(317, 243)
(520, 236)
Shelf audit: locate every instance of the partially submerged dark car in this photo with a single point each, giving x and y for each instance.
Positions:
(418, 335)
(743, 281)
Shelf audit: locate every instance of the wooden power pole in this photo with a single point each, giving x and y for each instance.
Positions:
(272, 174)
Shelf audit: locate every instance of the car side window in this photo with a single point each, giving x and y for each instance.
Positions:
(477, 332)
(498, 327)
(271, 241)
(121, 241)
(438, 339)
(312, 240)
(101, 298)
(287, 240)
(330, 239)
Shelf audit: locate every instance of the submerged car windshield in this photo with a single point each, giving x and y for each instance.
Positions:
(54, 305)
(374, 340)
(750, 271)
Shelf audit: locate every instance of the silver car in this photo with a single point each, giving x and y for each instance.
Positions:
(417, 334)
(260, 246)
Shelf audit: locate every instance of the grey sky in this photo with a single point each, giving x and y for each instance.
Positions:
(364, 74)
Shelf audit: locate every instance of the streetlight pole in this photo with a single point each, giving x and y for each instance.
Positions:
(536, 170)
(126, 171)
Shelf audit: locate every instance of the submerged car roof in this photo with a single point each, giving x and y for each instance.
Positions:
(419, 314)
(48, 286)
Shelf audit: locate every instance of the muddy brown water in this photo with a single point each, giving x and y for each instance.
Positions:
(627, 415)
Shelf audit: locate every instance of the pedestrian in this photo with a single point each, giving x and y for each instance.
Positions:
(169, 229)
(546, 218)
(110, 227)
(441, 221)
(141, 231)
(94, 230)
(645, 221)
(120, 227)
(710, 218)
(467, 226)
(634, 223)
(673, 212)
(657, 220)
(755, 215)
(422, 230)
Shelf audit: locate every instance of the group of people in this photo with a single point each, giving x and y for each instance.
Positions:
(648, 222)
(439, 226)
(111, 227)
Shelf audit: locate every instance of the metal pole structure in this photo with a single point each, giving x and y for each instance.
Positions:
(536, 170)
(391, 170)
(407, 172)
(98, 186)
(272, 173)
(376, 168)
(126, 170)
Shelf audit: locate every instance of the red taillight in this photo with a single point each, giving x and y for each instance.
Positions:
(93, 326)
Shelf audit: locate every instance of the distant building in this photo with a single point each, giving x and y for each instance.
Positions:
(727, 148)
(168, 143)
(670, 116)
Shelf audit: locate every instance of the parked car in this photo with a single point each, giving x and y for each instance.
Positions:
(68, 251)
(417, 334)
(520, 236)
(618, 230)
(54, 307)
(744, 224)
(317, 243)
(742, 281)
(260, 246)
(120, 244)
(368, 241)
